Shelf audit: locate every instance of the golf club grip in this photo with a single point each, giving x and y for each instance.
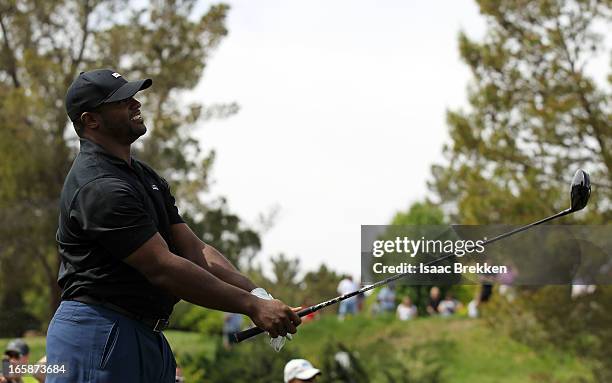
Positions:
(246, 334)
(253, 331)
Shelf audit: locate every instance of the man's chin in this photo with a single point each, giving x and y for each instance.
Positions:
(137, 131)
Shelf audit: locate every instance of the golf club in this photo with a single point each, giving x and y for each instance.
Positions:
(580, 192)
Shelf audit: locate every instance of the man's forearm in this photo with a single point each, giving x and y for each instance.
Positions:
(214, 262)
(219, 266)
(196, 285)
(207, 257)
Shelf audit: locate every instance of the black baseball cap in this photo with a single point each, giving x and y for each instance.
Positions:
(17, 346)
(96, 87)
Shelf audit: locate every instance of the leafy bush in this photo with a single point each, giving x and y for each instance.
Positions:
(549, 316)
(188, 317)
(251, 362)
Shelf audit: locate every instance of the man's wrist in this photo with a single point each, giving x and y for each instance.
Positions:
(250, 306)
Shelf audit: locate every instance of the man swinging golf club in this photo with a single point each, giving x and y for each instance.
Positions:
(126, 254)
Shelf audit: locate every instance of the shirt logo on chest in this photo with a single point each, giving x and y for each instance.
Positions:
(154, 187)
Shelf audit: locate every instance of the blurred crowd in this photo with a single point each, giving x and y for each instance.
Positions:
(388, 301)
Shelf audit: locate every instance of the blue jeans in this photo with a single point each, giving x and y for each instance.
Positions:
(348, 306)
(99, 345)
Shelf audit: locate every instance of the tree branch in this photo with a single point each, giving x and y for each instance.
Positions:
(12, 69)
(76, 61)
(592, 119)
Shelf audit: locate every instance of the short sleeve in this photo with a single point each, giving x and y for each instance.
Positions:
(173, 213)
(111, 212)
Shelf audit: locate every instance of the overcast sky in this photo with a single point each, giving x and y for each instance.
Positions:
(342, 114)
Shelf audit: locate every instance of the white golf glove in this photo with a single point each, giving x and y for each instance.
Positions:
(278, 342)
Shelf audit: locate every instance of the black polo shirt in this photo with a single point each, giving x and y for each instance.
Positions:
(108, 209)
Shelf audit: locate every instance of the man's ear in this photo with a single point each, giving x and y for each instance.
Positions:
(90, 120)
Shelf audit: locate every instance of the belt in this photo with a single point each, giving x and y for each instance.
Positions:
(155, 324)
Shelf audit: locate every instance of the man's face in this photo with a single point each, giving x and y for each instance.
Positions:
(17, 358)
(435, 293)
(122, 120)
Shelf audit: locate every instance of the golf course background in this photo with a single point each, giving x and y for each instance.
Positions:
(452, 350)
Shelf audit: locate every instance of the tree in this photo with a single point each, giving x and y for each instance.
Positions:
(320, 285)
(535, 116)
(289, 286)
(43, 46)
(284, 284)
(421, 215)
(225, 231)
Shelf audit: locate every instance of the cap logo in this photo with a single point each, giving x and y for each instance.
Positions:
(116, 75)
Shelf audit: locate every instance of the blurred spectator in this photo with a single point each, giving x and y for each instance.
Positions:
(486, 291)
(506, 281)
(347, 306)
(343, 359)
(18, 353)
(472, 307)
(386, 299)
(449, 305)
(232, 323)
(434, 301)
(360, 301)
(406, 310)
(481, 296)
(179, 375)
(300, 370)
(579, 290)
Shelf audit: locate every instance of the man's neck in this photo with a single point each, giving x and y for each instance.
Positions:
(112, 147)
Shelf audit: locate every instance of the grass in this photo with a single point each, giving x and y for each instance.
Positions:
(190, 343)
(182, 343)
(468, 350)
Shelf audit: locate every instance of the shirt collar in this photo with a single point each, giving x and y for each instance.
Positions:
(90, 147)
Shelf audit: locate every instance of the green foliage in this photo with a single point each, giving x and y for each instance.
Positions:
(189, 348)
(550, 317)
(251, 362)
(285, 284)
(437, 349)
(289, 286)
(535, 116)
(342, 365)
(425, 215)
(226, 232)
(320, 285)
(382, 362)
(189, 317)
(420, 213)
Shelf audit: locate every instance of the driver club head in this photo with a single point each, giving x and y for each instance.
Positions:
(580, 191)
